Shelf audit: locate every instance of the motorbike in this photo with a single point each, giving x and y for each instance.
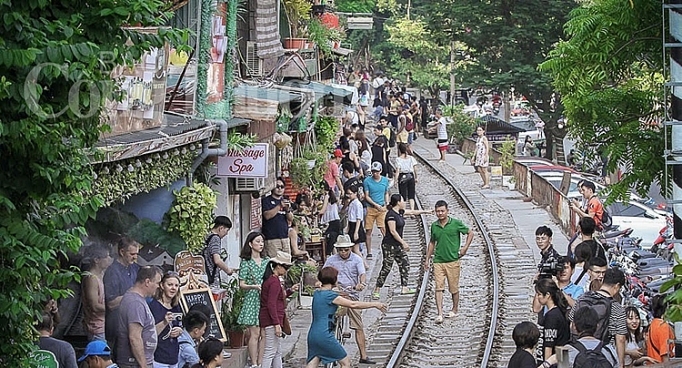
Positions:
(662, 247)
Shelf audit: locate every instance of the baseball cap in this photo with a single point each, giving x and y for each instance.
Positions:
(376, 166)
(96, 348)
(338, 153)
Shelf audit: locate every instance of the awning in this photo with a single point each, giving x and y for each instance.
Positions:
(342, 51)
(498, 129)
(258, 103)
(321, 90)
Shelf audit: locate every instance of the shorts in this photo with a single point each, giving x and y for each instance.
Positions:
(354, 317)
(449, 271)
(373, 215)
(362, 236)
(272, 246)
(443, 144)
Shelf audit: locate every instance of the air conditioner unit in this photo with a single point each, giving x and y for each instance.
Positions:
(248, 184)
(254, 64)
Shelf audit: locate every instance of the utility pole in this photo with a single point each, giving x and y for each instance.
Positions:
(673, 155)
(452, 73)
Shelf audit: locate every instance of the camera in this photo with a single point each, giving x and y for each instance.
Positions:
(551, 267)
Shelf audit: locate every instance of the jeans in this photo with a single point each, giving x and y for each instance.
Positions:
(272, 357)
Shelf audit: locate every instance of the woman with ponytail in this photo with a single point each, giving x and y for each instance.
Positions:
(210, 353)
(553, 320)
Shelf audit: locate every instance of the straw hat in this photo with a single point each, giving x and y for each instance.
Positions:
(282, 259)
(343, 241)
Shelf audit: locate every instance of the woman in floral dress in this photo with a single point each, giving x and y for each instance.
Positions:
(251, 270)
(482, 159)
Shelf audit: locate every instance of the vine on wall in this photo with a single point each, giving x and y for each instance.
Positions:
(120, 180)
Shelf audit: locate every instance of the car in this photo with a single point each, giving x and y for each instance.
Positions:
(644, 221)
(532, 161)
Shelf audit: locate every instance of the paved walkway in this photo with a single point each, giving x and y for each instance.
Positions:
(527, 217)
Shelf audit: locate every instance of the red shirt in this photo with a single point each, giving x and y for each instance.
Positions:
(272, 302)
(595, 206)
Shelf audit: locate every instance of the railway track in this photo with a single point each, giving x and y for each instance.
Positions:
(494, 287)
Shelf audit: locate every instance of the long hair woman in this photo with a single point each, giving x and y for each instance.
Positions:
(272, 308)
(634, 340)
(393, 246)
(556, 326)
(481, 160)
(406, 174)
(210, 353)
(330, 216)
(322, 345)
(165, 308)
(251, 271)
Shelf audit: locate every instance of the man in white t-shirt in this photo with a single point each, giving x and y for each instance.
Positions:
(439, 125)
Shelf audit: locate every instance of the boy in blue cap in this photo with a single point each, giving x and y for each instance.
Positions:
(98, 355)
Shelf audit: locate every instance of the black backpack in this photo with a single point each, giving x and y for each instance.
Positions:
(590, 358)
(606, 220)
(207, 255)
(601, 305)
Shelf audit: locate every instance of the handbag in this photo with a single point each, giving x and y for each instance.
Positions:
(404, 178)
(286, 326)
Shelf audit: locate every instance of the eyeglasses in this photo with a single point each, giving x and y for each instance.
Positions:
(279, 186)
(343, 249)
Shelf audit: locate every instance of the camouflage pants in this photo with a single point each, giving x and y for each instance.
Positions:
(393, 253)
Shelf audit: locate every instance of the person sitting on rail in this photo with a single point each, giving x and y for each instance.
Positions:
(526, 335)
(322, 344)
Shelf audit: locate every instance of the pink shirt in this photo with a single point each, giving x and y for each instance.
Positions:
(331, 174)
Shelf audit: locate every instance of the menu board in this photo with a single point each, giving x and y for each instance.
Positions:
(188, 298)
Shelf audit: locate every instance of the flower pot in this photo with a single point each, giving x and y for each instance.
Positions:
(236, 339)
(294, 43)
(305, 301)
(508, 181)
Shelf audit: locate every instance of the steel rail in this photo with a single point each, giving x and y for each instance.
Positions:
(493, 264)
(399, 350)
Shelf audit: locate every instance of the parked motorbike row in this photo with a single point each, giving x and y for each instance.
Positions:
(645, 270)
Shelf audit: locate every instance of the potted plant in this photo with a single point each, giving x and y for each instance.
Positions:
(230, 313)
(507, 162)
(305, 297)
(301, 172)
(323, 36)
(297, 12)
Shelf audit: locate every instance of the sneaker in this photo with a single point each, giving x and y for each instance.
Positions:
(369, 255)
(366, 361)
(376, 295)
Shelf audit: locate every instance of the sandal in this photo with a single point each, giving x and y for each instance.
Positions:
(408, 291)
(450, 314)
(439, 319)
(369, 255)
(376, 295)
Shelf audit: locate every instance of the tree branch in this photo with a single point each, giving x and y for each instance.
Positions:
(632, 40)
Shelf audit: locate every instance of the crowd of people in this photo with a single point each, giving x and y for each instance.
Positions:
(579, 305)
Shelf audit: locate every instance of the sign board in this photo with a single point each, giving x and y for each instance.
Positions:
(256, 214)
(44, 359)
(189, 298)
(252, 162)
(191, 270)
(360, 22)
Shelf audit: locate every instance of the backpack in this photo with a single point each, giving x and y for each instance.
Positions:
(409, 125)
(391, 139)
(606, 220)
(207, 255)
(590, 358)
(601, 305)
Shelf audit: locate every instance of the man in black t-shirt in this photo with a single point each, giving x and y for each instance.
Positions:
(275, 227)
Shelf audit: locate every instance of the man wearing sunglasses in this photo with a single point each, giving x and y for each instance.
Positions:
(276, 211)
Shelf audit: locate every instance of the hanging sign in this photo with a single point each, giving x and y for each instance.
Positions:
(252, 162)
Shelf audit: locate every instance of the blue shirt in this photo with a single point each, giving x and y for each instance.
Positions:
(188, 350)
(376, 189)
(573, 290)
(118, 279)
(350, 271)
(167, 347)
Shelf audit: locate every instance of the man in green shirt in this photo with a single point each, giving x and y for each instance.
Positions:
(445, 241)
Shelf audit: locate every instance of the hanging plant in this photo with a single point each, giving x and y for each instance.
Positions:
(191, 214)
(326, 128)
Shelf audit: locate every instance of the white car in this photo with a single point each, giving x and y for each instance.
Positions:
(644, 221)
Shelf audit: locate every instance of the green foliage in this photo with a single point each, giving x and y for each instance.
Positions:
(297, 11)
(55, 63)
(321, 35)
(609, 74)
(233, 307)
(507, 155)
(119, 180)
(191, 214)
(673, 312)
(462, 126)
(302, 174)
(326, 128)
(355, 6)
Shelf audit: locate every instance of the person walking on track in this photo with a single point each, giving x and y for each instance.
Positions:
(445, 246)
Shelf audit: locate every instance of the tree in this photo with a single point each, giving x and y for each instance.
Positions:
(608, 72)
(55, 63)
(505, 41)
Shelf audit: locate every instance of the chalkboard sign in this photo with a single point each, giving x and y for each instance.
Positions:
(188, 298)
